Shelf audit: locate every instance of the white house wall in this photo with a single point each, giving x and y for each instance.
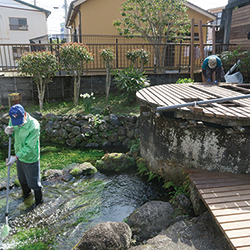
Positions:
(36, 21)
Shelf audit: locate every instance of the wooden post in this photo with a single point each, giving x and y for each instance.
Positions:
(213, 48)
(201, 46)
(14, 98)
(192, 50)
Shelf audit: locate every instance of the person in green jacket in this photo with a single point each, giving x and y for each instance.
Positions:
(26, 130)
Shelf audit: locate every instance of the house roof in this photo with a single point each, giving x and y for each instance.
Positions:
(200, 10)
(18, 3)
(75, 5)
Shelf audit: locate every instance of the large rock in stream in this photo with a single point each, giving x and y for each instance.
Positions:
(115, 162)
(198, 233)
(108, 235)
(150, 219)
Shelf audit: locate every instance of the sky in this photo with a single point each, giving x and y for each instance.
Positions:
(57, 14)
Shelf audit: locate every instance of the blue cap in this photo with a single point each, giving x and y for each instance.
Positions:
(17, 114)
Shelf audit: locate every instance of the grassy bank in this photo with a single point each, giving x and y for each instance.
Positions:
(116, 104)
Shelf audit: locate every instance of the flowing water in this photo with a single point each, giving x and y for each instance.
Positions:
(70, 208)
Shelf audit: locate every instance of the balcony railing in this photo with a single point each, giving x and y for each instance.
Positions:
(18, 26)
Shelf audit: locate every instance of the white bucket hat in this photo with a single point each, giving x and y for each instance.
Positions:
(212, 62)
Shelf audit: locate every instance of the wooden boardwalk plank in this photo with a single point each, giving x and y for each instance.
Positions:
(235, 225)
(239, 233)
(228, 205)
(241, 242)
(228, 199)
(229, 211)
(226, 193)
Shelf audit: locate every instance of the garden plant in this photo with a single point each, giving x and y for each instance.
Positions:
(129, 81)
(138, 56)
(108, 58)
(74, 58)
(87, 101)
(42, 66)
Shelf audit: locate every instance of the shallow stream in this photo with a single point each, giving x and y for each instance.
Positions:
(70, 208)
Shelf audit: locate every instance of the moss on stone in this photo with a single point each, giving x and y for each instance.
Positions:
(115, 162)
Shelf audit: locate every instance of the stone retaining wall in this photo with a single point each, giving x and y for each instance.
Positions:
(84, 130)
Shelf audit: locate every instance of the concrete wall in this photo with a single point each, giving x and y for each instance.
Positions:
(62, 87)
(169, 147)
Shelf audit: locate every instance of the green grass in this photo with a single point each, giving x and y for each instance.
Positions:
(54, 156)
(118, 106)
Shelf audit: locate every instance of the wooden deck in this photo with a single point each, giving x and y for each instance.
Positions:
(227, 196)
(230, 113)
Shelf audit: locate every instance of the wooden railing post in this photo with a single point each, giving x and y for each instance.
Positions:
(192, 50)
(213, 48)
(201, 46)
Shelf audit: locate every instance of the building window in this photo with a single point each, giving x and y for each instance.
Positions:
(18, 23)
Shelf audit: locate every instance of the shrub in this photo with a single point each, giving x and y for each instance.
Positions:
(108, 57)
(42, 66)
(185, 80)
(138, 55)
(74, 58)
(129, 81)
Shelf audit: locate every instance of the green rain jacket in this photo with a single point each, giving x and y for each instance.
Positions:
(27, 140)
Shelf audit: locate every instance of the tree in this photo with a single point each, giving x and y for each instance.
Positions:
(108, 58)
(157, 21)
(73, 58)
(42, 66)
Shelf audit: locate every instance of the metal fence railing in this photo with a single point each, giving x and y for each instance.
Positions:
(177, 55)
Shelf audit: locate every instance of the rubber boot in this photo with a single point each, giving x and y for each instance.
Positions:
(38, 197)
(26, 191)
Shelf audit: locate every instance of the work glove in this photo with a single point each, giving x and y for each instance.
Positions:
(215, 81)
(9, 130)
(208, 80)
(11, 161)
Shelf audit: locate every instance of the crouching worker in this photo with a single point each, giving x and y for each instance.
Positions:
(213, 64)
(26, 132)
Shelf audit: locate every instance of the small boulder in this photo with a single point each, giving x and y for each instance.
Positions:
(150, 219)
(56, 175)
(85, 168)
(108, 235)
(181, 204)
(115, 162)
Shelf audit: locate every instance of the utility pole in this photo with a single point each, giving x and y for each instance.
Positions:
(65, 18)
(35, 2)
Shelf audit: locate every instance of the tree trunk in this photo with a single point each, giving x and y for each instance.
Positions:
(75, 90)
(39, 86)
(77, 84)
(142, 67)
(157, 52)
(108, 80)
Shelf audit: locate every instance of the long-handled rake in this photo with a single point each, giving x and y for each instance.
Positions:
(5, 227)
